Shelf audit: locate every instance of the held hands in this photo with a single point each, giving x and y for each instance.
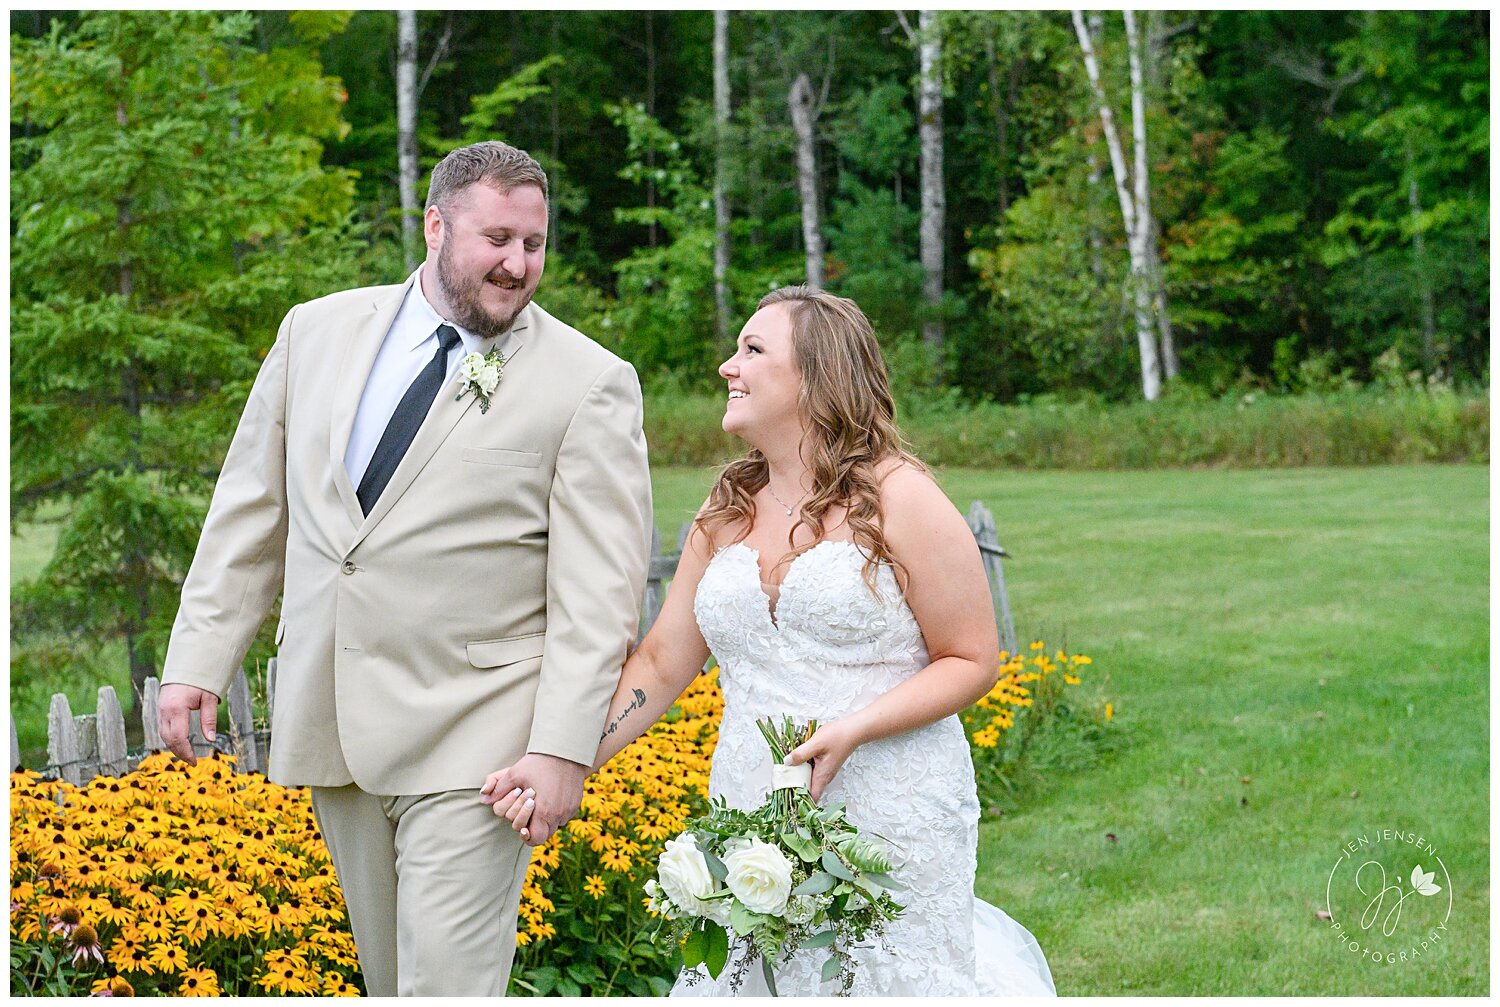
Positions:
(537, 795)
(177, 703)
(827, 749)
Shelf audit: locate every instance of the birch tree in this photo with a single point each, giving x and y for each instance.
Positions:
(406, 131)
(928, 39)
(1135, 217)
(804, 111)
(1147, 221)
(721, 156)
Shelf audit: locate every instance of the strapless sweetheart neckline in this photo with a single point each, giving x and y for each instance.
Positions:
(773, 602)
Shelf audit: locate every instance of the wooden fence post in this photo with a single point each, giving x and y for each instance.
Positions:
(270, 689)
(150, 716)
(242, 725)
(655, 592)
(62, 741)
(982, 524)
(110, 724)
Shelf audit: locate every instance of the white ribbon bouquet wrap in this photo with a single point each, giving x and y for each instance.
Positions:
(785, 877)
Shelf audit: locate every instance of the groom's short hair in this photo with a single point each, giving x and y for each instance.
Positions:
(494, 163)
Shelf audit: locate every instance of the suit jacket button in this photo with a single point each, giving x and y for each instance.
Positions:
(349, 566)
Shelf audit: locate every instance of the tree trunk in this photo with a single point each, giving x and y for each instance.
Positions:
(137, 566)
(1139, 273)
(406, 132)
(721, 171)
(1003, 103)
(800, 103)
(930, 116)
(1419, 267)
(651, 111)
(1145, 222)
(554, 223)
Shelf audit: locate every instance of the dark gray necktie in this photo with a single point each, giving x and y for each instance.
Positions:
(406, 420)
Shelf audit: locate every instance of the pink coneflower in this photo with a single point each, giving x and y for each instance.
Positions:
(66, 921)
(86, 944)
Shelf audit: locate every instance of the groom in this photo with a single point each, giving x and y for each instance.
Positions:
(461, 565)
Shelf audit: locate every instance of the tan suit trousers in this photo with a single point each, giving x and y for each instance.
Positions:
(432, 883)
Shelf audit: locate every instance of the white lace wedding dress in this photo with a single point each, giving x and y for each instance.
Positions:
(827, 649)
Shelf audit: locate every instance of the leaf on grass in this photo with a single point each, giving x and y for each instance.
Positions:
(1422, 881)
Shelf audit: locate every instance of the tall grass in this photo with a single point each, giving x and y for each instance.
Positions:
(1362, 427)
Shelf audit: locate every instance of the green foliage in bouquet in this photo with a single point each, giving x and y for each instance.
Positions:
(784, 877)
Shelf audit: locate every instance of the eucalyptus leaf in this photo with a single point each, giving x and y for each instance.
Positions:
(816, 885)
(820, 940)
(830, 970)
(833, 865)
(715, 865)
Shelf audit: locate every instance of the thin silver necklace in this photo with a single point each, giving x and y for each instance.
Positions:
(781, 501)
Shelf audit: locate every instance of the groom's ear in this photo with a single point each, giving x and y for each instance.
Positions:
(432, 228)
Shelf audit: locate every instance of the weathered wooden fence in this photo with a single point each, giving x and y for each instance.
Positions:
(80, 747)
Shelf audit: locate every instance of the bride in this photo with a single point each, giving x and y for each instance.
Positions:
(833, 580)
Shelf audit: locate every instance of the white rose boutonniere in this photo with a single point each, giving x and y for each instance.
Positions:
(480, 373)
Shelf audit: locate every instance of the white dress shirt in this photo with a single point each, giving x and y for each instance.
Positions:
(409, 346)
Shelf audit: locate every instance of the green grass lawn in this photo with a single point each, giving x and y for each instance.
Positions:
(1322, 633)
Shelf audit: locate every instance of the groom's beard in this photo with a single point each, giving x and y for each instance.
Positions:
(464, 296)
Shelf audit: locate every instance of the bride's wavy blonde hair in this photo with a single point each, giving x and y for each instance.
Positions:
(850, 417)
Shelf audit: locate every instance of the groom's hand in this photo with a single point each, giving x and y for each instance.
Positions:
(177, 703)
(556, 783)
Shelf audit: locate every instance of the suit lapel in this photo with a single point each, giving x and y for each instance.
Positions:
(360, 351)
(446, 411)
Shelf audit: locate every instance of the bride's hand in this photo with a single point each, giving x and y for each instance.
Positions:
(827, 749)
(515, 806)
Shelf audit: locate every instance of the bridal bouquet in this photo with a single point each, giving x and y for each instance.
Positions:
(787, 876)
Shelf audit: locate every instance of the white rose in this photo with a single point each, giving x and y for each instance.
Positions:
(760, 876)
(489, 378)
(684, 875)
(471, 366)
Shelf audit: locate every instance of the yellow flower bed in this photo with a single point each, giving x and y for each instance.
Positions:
(1034, 694)
(174, 879)
(192, 881)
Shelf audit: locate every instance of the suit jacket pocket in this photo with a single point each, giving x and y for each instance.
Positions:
(498, 653)
(503, 456)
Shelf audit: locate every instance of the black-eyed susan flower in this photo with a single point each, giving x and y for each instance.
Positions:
(594, 885)
(168, 957)
(198, 983)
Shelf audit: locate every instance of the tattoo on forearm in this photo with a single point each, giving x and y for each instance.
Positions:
(635, 704)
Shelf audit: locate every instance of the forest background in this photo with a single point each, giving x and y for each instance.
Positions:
(1102, 240)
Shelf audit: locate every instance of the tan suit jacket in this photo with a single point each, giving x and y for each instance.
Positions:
(483, 608)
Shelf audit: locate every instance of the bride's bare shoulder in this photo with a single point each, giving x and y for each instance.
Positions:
(912, 503)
